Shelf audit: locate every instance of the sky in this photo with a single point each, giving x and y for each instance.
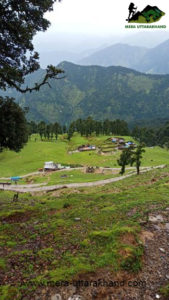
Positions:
(81, 25)
(97, 16)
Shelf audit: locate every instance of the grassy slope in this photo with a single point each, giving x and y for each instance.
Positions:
(34, 154)
(44, 243)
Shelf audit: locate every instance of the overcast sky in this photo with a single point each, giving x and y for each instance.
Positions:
(97, 16)
(77, 25)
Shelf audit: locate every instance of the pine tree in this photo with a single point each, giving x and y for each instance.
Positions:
(70, 132)
(41, 129)
(137, 156)
(125, 159)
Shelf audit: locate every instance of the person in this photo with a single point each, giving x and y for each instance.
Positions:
(132, 10)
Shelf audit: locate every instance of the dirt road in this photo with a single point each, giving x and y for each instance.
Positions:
(33, 188)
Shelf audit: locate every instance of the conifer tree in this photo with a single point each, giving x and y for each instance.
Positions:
(137, 156)
(125, 159)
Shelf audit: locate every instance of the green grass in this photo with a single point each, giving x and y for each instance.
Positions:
(9, 293)
(155, 156)
(75, 176)
(2, 263)
(44, 237)
(165, 291)
(34, 154)
(59, 235)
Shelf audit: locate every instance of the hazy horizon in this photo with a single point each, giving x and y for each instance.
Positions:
(81, 27)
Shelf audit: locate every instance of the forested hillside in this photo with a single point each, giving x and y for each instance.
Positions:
(99, 92)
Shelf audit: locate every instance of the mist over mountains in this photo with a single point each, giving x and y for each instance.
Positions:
(116, 55)
(153, 61)
(55, 48)
(142, 52)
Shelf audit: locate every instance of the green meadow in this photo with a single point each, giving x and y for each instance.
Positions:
(36, 152)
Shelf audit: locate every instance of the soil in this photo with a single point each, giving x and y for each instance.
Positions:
(145, 285)
(18, 217)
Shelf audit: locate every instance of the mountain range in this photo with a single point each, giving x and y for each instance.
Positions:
(99, 92)
(153, 61)
(55, 48)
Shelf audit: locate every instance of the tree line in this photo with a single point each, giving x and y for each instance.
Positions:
(46, 131)
(152, 136)
(88, 126)
(85, 127)
(15, 129)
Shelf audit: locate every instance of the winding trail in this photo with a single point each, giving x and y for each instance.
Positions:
(35, 188)
(72, 169)
(40, 173)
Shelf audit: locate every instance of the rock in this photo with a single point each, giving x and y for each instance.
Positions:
(167, 208)
(156, 227)
(156, 219)
(94, 293)
(77, 219)
(167, 226)
(167, 276)
(158, 296)
(56, 297)
(162, 250)
(142, 222)
(75, 297)
(71, 290)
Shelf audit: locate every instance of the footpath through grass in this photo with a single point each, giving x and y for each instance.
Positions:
(57, 236)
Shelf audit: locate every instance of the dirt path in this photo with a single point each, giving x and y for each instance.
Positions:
(71, 169)
(28, 188)
(39, 173)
